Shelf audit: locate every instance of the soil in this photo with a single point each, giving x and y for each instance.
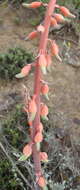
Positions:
(64, 78)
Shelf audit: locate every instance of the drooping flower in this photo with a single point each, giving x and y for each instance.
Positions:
(24, 71)
(59, 18)
(44, 111)
(55, 50)
(42, 63)
(32, 35)
(45, 90)
(32, 108)
(27, 150)
(43, 156)
(41, 182)
(53, 21)
(66, 12)
(35, 4)
(38, 137)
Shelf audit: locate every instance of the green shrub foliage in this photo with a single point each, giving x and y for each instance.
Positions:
(12, 62)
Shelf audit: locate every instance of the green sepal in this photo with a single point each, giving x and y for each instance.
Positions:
(46, 96)
(43, 69)
(38, 146)
(25, 5)
(45, 118)
(20, 75)
(45, 188)
(23, 158)
(45, 161)
(32, 116)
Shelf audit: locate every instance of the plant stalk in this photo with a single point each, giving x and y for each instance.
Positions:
(42, 47)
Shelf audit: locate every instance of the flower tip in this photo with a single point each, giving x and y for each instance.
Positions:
(72, 16)
(59, 58)
(46, 96)
(25, 5)
(20, 75)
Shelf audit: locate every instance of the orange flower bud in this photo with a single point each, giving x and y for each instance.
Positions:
(24, 71)
(55, 50)
(42, 182)
(43, 110)
(32, 108)
(44, 89)
(43, 63)
(35, 4)
(38, 137)
(66, 12)
(43, 156)
(59, 18)
(27, 150)
(32, 35)
(53, 22)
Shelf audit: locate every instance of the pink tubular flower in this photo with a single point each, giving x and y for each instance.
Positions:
(59, 18)
(32, 106)
(43, 156)
(66, 12)
(44, 89)
(43, 63)
(53, 21)
(43, 110)
(32, 35)
(38, 137)
(35, 4)
(42, 182)
(27, 150)
(55, 50)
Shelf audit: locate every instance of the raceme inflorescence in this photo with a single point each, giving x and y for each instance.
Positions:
(34, 107)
